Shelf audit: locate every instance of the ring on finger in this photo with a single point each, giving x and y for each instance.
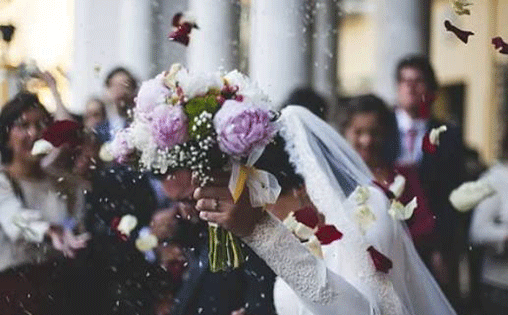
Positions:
(215, 204)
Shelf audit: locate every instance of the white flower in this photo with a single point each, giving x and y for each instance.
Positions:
(459, 6)
(42, 147)
(146, 240)
(127, 223)
(299, 229)
(247, 88)
(470, 194)
(400, 212)
(361, 195)
(105, 152)
(364, 217)
(435, 133)
(398, 185)
(194, 84)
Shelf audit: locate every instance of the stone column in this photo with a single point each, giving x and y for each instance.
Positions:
(324, 54)
(215, 44)
(136, 33)
(279, 47)
(402, 27)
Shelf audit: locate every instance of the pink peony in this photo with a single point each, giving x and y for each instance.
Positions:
(152, 93)
(241, 127)
(169, 126)
(120, 147)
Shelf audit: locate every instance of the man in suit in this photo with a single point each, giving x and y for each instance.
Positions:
(438, 173)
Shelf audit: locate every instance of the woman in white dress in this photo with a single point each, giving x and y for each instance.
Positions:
(346, 281)
(34, 206)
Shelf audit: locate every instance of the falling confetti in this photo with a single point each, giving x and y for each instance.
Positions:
(498, 42)
(183, 28)
(460, 7)
(462, 35)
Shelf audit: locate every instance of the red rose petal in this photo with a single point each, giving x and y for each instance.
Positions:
(498, 42)
(114, 227)
(462, 35)
(180, 36)
(176, 19)
(428, 147)
(381, 262)
(307, 216)
(63, 132)
(327, 234)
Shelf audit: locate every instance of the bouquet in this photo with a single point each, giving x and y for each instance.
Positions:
(203, 122)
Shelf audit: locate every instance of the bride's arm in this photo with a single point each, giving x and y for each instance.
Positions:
(320, 290)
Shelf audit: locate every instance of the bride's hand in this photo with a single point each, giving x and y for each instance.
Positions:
(215, 204)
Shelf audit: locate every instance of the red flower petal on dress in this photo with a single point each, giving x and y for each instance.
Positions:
(63, 132)
(381, 262)
(389, 194)
(307, 216)
(498, 42)
(327, 234)
(462, 35)
(427, 146)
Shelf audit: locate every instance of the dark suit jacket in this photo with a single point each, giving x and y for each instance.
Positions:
(439, 173)
(204, 292)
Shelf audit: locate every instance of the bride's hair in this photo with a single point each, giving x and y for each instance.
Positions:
(276, 161)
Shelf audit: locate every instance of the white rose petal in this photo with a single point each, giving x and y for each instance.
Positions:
(364, 217)
(400, 212)
(42, 147)
(146, 242)
(105, 152)
(435, 133)
(303, 232)
(362, 194)
(398, 185)
(290, 222)
(470, 194)
(127, 223)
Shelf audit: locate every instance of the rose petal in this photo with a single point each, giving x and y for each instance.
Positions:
(462, 35)
(498, 42)
(127, 223)
(381, 262)
(389, 194)
(307, 216)
(327, 234)
(63, 132)
(427, 146)
(398, 185)
(42, 147)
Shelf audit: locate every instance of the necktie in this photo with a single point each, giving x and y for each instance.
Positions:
(411, 137)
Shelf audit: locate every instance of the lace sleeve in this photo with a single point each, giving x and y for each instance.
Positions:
(321, 290)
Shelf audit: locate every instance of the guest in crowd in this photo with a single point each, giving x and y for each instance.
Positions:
(489, 229)
(438, 173)
(365, 126)
(33, 204)
(95, 113)
(121, 88)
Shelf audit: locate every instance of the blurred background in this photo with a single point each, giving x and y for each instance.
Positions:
(341, 48)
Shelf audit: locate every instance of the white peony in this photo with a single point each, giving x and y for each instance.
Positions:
(195, 84)
(247, 88)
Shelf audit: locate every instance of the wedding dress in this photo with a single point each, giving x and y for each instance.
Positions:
(345, 281)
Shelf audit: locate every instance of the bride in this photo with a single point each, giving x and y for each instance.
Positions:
(186, 123)
(323, 171)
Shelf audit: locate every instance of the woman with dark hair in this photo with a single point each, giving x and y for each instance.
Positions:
(489, 228)
(366, 127)
(33, 204)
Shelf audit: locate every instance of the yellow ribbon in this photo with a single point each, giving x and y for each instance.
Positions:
(243, 175)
